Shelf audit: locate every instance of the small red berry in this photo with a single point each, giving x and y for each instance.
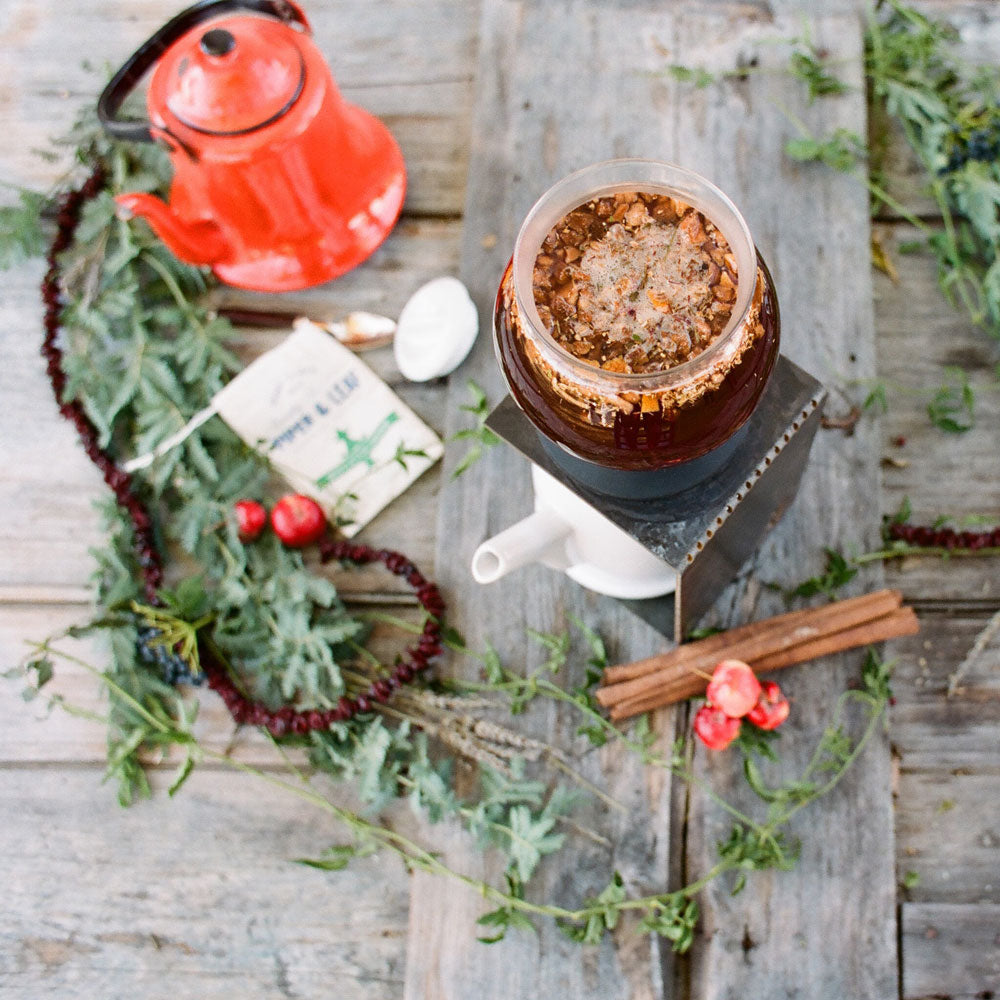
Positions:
(250, 519)
(734, 688)
(714, 728)
(771, 709)
(298, 520)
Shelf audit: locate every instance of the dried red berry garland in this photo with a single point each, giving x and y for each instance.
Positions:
(944, 538)
(119, 481)
(283, 720)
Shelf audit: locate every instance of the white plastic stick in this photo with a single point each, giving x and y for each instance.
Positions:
(144, 461)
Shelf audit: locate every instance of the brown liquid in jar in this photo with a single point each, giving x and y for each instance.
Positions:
(643, 429)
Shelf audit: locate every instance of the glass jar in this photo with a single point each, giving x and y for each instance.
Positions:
(591, 419)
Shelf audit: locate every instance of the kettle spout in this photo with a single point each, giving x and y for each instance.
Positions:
(538, 538)
(198, 242)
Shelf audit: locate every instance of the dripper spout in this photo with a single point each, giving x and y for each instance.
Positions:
(537, 538)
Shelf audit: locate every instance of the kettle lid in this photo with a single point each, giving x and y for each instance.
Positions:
(229, 76)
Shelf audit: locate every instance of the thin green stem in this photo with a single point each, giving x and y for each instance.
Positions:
(887, 199)
(140, 709)
(939, 552)
(366, 654)
(175, 290)
(415, 856)
(557, 762)
(876, 710)
(412, 853)
(383, 618)
(720, 867)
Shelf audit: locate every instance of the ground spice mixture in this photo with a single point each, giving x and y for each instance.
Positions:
(635, 282)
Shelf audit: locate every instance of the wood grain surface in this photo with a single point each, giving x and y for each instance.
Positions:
(194, 897)
(524, 137)
(209, 907)
(806, 225)
(775, 940)
(951, 950)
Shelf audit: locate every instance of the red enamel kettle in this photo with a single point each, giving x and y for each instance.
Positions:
(278, 182)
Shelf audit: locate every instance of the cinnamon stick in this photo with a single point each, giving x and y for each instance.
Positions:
(264, 319)
(853, 609)
(751, 643)
(902, 621)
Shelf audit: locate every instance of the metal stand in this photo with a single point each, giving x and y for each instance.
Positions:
(709, 530)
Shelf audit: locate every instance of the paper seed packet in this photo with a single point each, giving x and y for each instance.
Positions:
(329, 425)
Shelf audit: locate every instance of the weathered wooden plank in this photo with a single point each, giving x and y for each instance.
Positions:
(810, 227)
(931, 731)
(416, 251)
(950, 951)
(949, 770)
(949, 761)
(402, 104)
(408, 63)
(525, 135)
(262, 927)
(947, 825)
(187, 897)
(48, 484)
(773, 939)
(942, 474)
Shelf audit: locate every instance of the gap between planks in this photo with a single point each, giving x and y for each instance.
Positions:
(12, 596)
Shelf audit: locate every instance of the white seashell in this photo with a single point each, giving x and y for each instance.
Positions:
(436, 330)
(362, 331)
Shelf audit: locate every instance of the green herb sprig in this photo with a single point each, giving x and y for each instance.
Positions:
(21, 234)
(480, 435)
(953, 407)
(949, 113)
(752, 845)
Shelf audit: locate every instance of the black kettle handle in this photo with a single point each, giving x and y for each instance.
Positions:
(139, 63)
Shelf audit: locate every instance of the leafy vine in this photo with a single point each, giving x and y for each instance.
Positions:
(139, 354)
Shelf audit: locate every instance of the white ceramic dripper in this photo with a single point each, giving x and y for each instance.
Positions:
(567, 534)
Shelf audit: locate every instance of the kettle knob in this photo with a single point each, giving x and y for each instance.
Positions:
(217, 42)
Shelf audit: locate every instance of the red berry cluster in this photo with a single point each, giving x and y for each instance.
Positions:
(734, 694)
(944, 538)
(289, 720)
(296, 519)
(118, 481)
